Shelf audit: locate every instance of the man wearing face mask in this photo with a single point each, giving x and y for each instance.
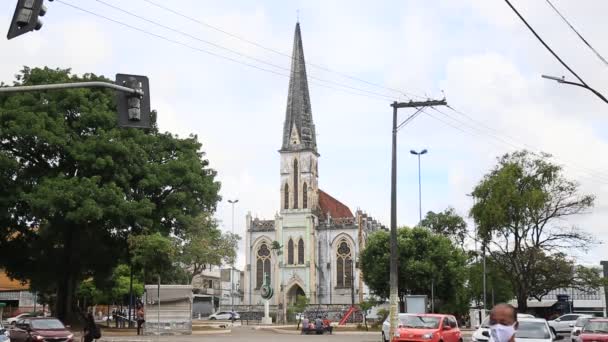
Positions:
(503, 323)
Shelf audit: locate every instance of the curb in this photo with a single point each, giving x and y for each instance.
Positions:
(297, 332)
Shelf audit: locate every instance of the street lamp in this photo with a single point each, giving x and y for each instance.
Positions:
(233, 202)
(419, 182)
(582, 85)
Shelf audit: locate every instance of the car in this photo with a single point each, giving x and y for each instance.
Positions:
(13, 320)
(40, 329)
(535, 330)
(386, 326)
(596, 330)
(428, 328)
(482, 333)
(4, 334)
(565, 323)
(578, 328)
(224, 315)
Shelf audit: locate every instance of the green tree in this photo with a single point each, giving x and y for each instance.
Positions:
(498, 286)
(425, 259)
(88, 294)
(155, 254)
(299, 307)
(521, 209)
(365, 306)
(74, 186)
(204, 244)
(447, 223)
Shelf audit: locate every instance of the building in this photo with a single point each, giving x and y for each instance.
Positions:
(16, 296)
(212, 290)
(319, 237)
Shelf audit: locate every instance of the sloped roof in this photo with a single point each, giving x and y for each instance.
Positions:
(8, 284)
(335, 208)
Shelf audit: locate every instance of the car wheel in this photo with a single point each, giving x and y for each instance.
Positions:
(212, 319)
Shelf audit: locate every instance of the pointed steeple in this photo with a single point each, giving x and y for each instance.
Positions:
(298, 130)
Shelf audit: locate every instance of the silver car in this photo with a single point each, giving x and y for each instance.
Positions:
(578, 327)
(4, 334)
(386, 326)
(482, 334)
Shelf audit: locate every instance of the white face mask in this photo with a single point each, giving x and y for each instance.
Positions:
(501, 333)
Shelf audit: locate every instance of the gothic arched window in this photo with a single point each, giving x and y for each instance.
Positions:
(344, 265)
(286, 196)
(262, 264)
(295, 184)
(301, 252)
(304, 196)
(290, 252)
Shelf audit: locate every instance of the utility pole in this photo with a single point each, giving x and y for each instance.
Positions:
(394, 258)
(605, 266)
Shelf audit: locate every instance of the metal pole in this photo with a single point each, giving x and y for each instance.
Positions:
(419, 191)
(394, 258)
(158, 313)
(59, 86)
(605, 267)
(433, 295)
(483, 246)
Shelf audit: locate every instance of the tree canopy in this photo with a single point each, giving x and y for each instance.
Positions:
(74, 186)
(447, 223)
(425, 258)
(521, 211)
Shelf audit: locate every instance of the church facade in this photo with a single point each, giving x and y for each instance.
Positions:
(311, 247)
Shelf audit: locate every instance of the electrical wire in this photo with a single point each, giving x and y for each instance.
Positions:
(587, 173)
(545, 44)
(384, 98)
(234, 51)
(200, 22)
(578, 34)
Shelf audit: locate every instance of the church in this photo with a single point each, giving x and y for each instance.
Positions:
(319, 237)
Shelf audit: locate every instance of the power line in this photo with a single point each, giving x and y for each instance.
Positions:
(375, 96)
(545, 44)
(587, 173)
(578, 34)
(200, 22)
(219, 46)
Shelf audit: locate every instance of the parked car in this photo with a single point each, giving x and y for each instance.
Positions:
(578, 328)
(565, 323)
(482, 334)
(386, 326)
(13, 320)
(428, 328)
(4, 334)
(40, 329)
(224, 315)
(535, 330)
(596, 330)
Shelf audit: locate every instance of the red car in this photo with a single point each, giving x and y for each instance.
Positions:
(428, 328)
(40, 329)
(596, 330)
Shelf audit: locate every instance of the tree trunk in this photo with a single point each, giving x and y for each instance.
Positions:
(522, 302)
(67, 283)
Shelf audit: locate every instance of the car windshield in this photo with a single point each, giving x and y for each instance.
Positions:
(47, 324)
(420, 322)
(533, 330)
(596, 328)
(581, 322)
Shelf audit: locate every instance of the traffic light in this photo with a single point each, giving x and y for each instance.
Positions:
(133, 110)
(26, 17)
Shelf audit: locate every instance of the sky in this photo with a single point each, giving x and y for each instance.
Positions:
(476, 53)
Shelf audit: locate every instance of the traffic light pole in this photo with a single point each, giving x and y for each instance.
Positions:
(60, 86)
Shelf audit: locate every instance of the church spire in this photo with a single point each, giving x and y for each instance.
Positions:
(299, 130)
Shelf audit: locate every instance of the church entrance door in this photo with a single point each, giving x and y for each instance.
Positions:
(293, 293)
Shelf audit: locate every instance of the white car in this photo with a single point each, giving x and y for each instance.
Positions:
(386, 326)
(565, 323)
(482, 334)
(224, 315)
(13, 320)
(578, 327)
(535, 330)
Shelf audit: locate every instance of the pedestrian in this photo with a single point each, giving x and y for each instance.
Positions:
(319, 325)
(304, 325)
(140, 318)
(503, 323)
(91, 330)
(115, 316)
